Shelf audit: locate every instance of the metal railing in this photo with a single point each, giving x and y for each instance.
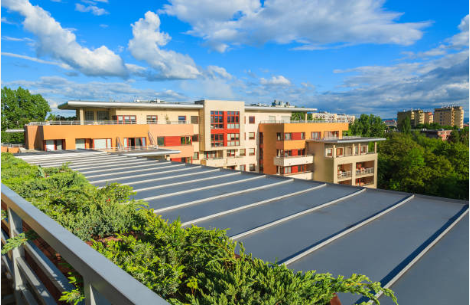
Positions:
(104, 282)
(106, 122)
(345, 174)
(303, 121)
(364, 171)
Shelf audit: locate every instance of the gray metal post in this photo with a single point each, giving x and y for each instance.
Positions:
(16, 226)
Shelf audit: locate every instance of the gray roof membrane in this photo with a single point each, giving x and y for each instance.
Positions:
(307, 225)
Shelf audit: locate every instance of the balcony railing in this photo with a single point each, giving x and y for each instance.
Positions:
(293, 160)
(106, 122)
(303, 121)
(346, 174)
(104, 282)
(364, 171)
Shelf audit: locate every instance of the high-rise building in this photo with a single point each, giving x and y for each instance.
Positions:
(226, 134)
(449, 116)
(428, 117)
(416, 117)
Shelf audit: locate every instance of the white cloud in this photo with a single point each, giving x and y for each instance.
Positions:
(6, 21)
(275, 81)
(90, 8)
(217, 72)
(61, 90)
(62, 65)
(16, 39)
(311, 24)
(145, 45)
(61, 43)
(104, 26)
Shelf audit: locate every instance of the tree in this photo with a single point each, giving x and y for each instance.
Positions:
(368, 126)
(20, 107)
(405, 126)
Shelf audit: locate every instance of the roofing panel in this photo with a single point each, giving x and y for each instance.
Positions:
(379, 247)
(205, 209)
(260, 215)
(228, 190)
(292, 237)
(439, 277)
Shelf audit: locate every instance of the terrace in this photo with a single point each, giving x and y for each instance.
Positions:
(305, 225)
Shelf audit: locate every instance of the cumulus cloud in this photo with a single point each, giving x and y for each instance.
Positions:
(16, 39)
(146, 46)
(97, 11)
(218, 72)
(310, 24)
(61, 43)
(275, 81)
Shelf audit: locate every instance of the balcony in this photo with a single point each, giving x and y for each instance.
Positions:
(293, 160)
(344, 175)
(33, 274)
(303, 175)
(214, 162)
(364, 172)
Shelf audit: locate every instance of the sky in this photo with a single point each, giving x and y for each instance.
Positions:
(340, 56)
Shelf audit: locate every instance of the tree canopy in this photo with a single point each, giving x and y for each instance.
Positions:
(368, 126)
(20, 107)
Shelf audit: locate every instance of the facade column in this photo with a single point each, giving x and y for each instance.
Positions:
(353, 173)
(375, 147)
(81, 116)
(334, 151)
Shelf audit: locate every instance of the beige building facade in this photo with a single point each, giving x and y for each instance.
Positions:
(449, 116)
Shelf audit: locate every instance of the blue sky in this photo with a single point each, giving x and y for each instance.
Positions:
(345, 56)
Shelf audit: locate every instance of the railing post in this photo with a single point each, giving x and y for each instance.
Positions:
(89, 293)
(16, 226)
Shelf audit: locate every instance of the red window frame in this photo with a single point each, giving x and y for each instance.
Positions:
(121, 119)
(195, 138)
(250, 135)
(249, 151)
(233, 120)
(217, 140)
(152, 119)
(233, 139)
(217, 120)
(251, 119)
(231, 152)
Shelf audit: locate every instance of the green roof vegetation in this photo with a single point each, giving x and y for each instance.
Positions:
(183, 265)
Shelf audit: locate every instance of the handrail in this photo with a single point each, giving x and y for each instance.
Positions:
(105, 122)
(291, 157)
(303, 121)
(102, 278)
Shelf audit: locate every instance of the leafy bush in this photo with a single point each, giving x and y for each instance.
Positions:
(184, 265)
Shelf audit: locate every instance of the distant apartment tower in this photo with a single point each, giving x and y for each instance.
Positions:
(449, 116)
(428, 117)
(416, 117)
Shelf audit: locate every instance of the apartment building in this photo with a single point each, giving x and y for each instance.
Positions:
(449, 116)
(326, 116)
(416, 117)
(226, 134)
(428, 117)
(318, 152)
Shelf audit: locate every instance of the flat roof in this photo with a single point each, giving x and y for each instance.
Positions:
(70, 105)
(348, 140)
(413, 243)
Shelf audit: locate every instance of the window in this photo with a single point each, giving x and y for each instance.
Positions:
(210, 154)
(233, 139)
(251, 151)
(364, 149)
(301, 152)
(243, 168)
(80, 144)
(101, 143)
(217, 140)
(242, 152)
(251, 135)
(339, 151)
(195, 138)
(217, 120)
(288, 153)
(103, 115)
(126, 119)
(252, 167)
(186, 140)
(279, 136)
(332, 134)
(260, 154)
(233, 119)
(286, 170)
(301, 168)
(182, 119)
(50, 145)
(161, 141)
(89, 115)
(152, 119)
(231, 153)
(194, 120)
(356, 150)
(260, 138)
(133, 142)
(329, 152)
(316, 135)
(302, 135)
(196, 156)
(251, 119)
(287, 136)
